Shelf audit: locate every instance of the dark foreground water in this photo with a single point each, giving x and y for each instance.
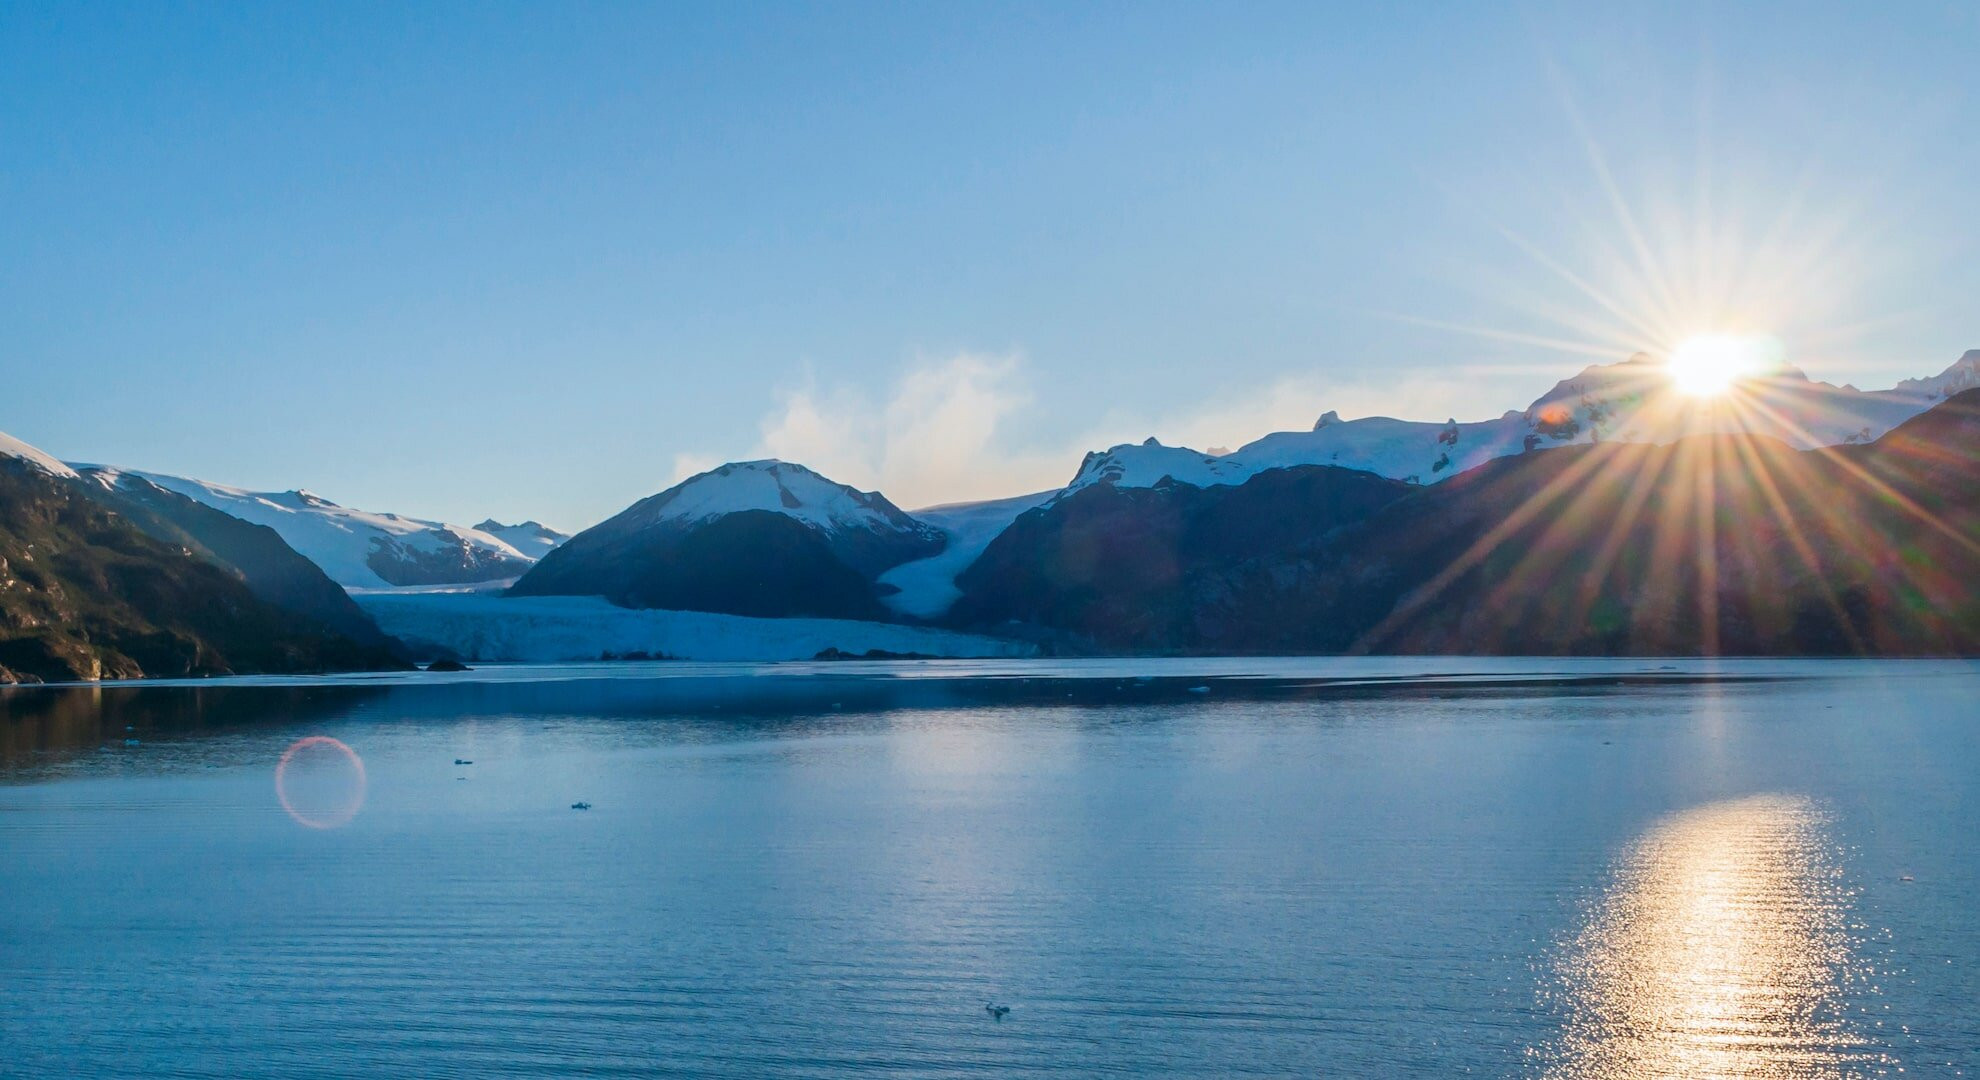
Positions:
(1356, 869)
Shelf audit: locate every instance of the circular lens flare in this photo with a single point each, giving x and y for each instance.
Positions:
(321, 782)
(1711, 364)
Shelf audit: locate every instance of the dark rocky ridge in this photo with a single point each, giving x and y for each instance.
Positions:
(269, 567)
(1712, 545)
(1133, 567)
(86, 594)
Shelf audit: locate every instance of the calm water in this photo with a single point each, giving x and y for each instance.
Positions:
(1331, 868)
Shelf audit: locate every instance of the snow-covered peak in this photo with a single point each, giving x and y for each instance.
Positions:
(1964, 374)
(41, 459)
(777, 486)
(1631, 401)
(532, 538)
(1147, 464)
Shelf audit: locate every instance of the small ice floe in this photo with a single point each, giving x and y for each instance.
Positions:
(132, 742)
(1905, 877)
(580, 806)
(995, 1010)
(1199, 689)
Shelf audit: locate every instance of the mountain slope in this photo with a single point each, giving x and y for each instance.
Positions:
(357, 548)
(763, 538)
(85, 594)
(270, 568)
(16, 450)
(1128, 567)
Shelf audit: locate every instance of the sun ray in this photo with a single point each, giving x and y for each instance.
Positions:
(1762, 474)
(1890, 494)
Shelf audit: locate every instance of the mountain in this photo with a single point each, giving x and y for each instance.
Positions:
(1631, 401)
(271, 569)
(86, 594)
(1130, 566)
(764, 538)
(357, 548)
(1713, 544)
(531, 538)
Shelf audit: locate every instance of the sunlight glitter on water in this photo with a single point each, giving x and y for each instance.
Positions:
(1722, 949)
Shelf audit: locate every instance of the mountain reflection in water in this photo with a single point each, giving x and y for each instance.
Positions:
(1721, 950)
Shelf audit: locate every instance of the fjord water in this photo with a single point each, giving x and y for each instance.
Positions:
(1278, 868)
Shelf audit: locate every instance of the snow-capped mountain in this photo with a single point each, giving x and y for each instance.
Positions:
(1632, 401)
(779, 487)
(1147, 463)
(748, 538)
(1584, 550)
(97, 582)
(532, 538)
(11, 447)
(357, 548)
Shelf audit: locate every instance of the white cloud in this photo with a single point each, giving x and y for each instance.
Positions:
(940, 435)
(944, 430)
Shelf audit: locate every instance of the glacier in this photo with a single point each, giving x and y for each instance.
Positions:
(482, 626)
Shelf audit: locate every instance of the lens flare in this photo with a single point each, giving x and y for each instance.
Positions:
(1711, 364)
(321, 782)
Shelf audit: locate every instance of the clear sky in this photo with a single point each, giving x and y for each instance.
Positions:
(536, 261)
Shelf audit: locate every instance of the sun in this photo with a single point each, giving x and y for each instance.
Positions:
(1710, 364)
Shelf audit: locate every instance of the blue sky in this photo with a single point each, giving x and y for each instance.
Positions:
(537, 261)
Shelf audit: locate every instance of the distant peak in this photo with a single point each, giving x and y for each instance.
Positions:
(303, 497)
(769, 484)
(1327, 419)
(770, 465)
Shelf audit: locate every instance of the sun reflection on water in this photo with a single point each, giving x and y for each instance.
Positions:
(1722, 949)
